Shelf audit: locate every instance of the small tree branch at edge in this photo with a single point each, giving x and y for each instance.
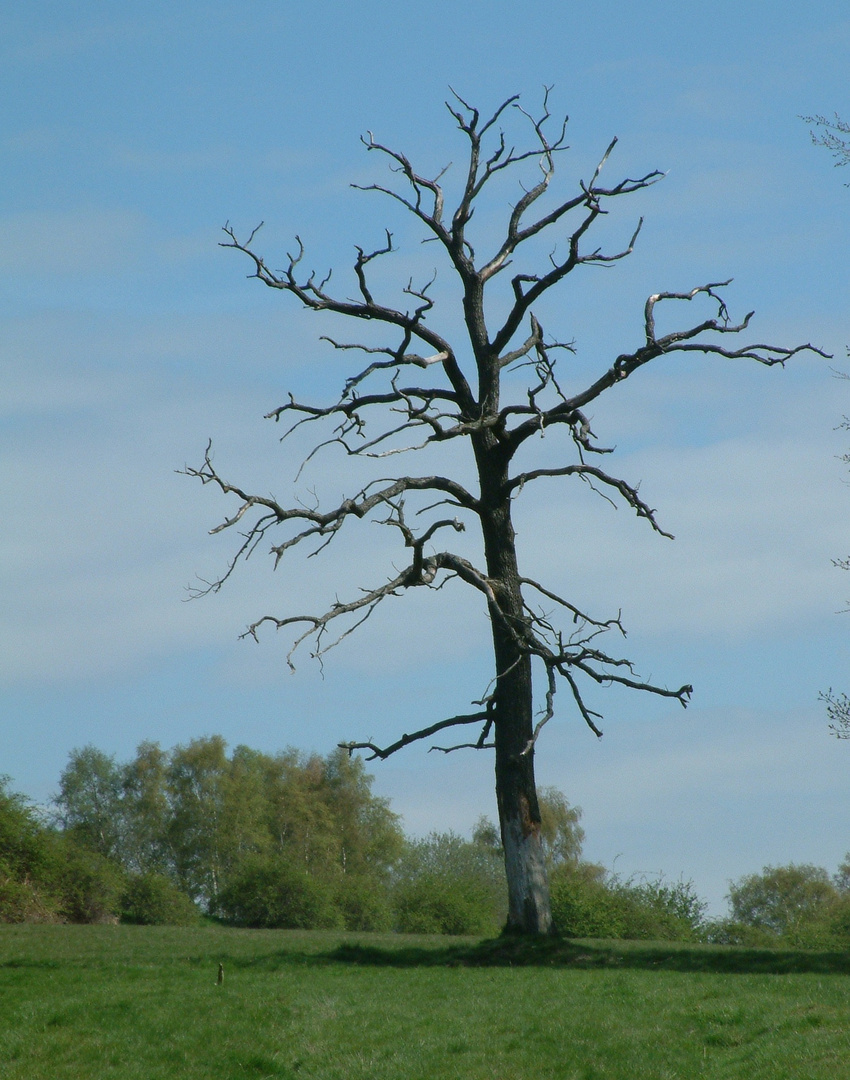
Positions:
(425, 381)
(838, 713)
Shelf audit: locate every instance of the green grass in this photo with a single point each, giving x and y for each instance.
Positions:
(142, 1002)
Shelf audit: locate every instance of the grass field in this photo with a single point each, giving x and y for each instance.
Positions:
(143, 1002)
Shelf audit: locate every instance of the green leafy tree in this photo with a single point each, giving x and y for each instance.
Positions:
(197, 780)
(368, 833)
(244, 821)
(561, 834)
(782, 900)
(89, 801)
(146, 810)
(841, 880)
(559, 827)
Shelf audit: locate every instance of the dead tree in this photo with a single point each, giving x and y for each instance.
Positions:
(423, 388)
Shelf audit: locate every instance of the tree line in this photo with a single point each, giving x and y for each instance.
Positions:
(292, 840)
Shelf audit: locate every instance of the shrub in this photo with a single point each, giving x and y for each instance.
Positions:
(152, 899)
(275, 893)
(23, 901)
(585, 903)
(666, 911)
(25, 860)
(432, 904)
(447, 885)
(89, 886)
(364, 903)
(732, 932)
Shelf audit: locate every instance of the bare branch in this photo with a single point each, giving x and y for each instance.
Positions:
(406, 740)
(587, 714)
(838, 713)
(589, 473)
(834, 136)
(577, 614)
(677, 341)
(548, 712)
(312, 295)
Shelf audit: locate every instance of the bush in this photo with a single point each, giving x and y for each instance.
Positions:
(732, 932)
(25, 860)
(23, 901)
(275, 894)
(151, 899)
(89, 886)
(364, 903)
(827, 928)
(431, 904)
(668, 911)
(794, 904)
(587, 904)
(583, 905)
(447, 885)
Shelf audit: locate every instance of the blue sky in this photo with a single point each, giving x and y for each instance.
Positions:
(132, 132)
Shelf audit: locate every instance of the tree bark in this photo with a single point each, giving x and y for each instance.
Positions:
(529, 909)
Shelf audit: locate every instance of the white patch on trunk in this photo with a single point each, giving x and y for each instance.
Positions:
(528, 886)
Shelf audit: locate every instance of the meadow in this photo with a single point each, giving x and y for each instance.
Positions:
(122, 1002)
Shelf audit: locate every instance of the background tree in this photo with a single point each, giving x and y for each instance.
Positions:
(197, 837)
(834, 134)
(799, 904)
(494, 385)
(146, 810)
(560, 832)
(90, 801)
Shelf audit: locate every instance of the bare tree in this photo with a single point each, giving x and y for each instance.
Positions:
(838, 713)
(423, 388)
(834, 134)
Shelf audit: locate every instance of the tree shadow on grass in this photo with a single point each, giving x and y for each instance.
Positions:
(583, 955)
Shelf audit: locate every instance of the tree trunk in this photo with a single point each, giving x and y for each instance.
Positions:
(529, 909)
